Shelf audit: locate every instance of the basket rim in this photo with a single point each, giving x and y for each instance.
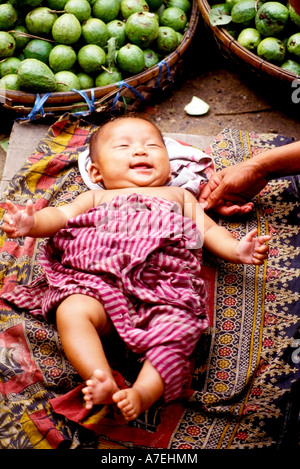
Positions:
(249, 57)
(23, 97)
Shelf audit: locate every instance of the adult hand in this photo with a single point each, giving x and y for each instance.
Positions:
(233, 186)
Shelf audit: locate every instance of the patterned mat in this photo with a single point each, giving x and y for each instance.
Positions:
(246, 369)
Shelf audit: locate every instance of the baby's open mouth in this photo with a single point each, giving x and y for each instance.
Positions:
(141, 165)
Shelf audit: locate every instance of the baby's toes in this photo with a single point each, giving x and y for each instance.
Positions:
(119, 397)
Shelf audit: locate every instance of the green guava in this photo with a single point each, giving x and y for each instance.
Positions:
(249, 38)
(9, 66)
(116, 28)
(20, 39)
(86, 81)
(62, 57)
(293, 44)
(106, 10)
(113, 75)
(10, 82)
(66, 81)
(80, 8)
(94, 31)
(291, 66)
(271, 18)
(128, 7)
(36, 76)
(222, 7)
(294, 17)
(40, 21)
(151, 58)
(57, 4)
(31, 3)
(131, 59)
(174, 18)
(243, 11)
(66, 29)
(271, 49)
(154, 4)
(184, 5)
(91, 58)
(7, 45)
(142, 28)
(38, 49)
(8, 17)
(167, 40)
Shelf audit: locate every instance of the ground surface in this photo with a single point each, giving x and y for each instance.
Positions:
(237, 97)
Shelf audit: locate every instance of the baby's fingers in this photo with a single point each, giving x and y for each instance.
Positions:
(263, 239)
(258, 258)
(251, 235)
(29, 208)
(11, 207)
(9, 229)
(261, 251)
(7, 219)
(261, 254)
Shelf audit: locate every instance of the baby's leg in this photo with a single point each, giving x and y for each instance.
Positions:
(146, 390)
(81, 320)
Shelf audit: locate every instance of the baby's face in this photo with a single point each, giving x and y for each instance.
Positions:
(131, 154)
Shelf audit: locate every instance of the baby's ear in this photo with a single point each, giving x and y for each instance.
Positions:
(94, 173)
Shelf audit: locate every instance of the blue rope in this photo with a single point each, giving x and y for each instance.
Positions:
(40, 101)
(37, 107)
(90, 102)
(160, 67)
(121, 84)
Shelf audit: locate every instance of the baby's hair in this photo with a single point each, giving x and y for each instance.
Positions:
(94, 140)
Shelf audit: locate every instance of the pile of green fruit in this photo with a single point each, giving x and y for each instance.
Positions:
(269, 29)
(59, 45)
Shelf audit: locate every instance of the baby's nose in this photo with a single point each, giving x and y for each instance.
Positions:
(140, 150)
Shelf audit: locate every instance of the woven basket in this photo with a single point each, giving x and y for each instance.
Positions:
(240, 54)
(137, 89)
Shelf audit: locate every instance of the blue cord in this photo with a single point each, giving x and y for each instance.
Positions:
(37, 107)
(90, 102)
(160, 64)
(121, 84)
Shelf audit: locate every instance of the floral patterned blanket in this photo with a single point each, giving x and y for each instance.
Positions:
(245, 381)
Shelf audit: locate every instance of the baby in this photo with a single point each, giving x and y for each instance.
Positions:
(107, 272)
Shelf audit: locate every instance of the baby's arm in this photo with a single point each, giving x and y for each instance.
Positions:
(26, 221)
(219, 241)
(249, 250)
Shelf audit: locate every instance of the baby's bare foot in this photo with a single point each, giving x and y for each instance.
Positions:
(130, 403)
(99, 389)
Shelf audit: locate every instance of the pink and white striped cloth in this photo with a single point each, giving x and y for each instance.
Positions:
(141, 259)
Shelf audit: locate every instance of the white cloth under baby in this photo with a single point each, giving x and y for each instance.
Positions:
(190, 166)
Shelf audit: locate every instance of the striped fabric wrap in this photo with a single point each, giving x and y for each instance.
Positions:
(141, 258)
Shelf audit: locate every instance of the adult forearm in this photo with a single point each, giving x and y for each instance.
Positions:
(279, 161)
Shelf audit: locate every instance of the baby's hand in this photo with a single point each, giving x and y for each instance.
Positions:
(253, 250)
(229, 209)
(18, 221)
